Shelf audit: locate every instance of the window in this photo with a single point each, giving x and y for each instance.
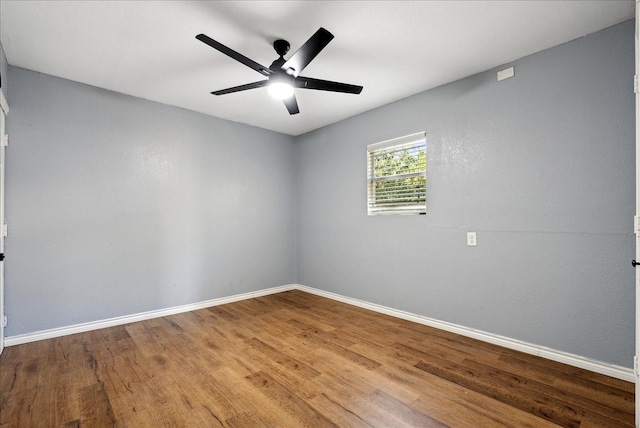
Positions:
(397, 176)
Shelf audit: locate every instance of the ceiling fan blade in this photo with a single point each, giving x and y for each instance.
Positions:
(326, 85)
(291, 104)
(308, 51)
(235, 55)
(253, 85)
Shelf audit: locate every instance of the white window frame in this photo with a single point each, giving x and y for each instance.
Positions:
(418, 139)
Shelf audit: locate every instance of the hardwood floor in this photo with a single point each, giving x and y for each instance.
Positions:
(290, 360)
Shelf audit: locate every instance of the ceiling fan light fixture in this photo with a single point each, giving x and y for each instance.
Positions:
(283, 74)
(280, 90)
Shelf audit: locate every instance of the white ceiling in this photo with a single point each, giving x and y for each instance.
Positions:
(394, 49)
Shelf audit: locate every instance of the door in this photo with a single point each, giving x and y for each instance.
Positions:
(4, 109)
(637, 217)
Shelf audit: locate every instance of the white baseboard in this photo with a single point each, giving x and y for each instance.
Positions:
(96, 325)
(615, 371)
(612, 370)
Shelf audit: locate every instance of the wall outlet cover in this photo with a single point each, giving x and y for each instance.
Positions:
(471, 239)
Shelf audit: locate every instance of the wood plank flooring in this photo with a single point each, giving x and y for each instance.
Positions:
(295, 360)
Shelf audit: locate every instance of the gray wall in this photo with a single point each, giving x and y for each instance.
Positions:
(3, 70)
(118, 205)
(541, 166)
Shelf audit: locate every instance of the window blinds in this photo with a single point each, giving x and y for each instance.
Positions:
(397, 176)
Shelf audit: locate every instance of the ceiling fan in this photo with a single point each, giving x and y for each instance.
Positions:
(284, 74)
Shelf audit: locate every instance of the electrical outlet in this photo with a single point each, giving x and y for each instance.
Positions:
(471, 239)
(5, 321)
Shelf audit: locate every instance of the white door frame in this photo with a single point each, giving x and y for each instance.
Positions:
(637, 216)
(4, 111)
